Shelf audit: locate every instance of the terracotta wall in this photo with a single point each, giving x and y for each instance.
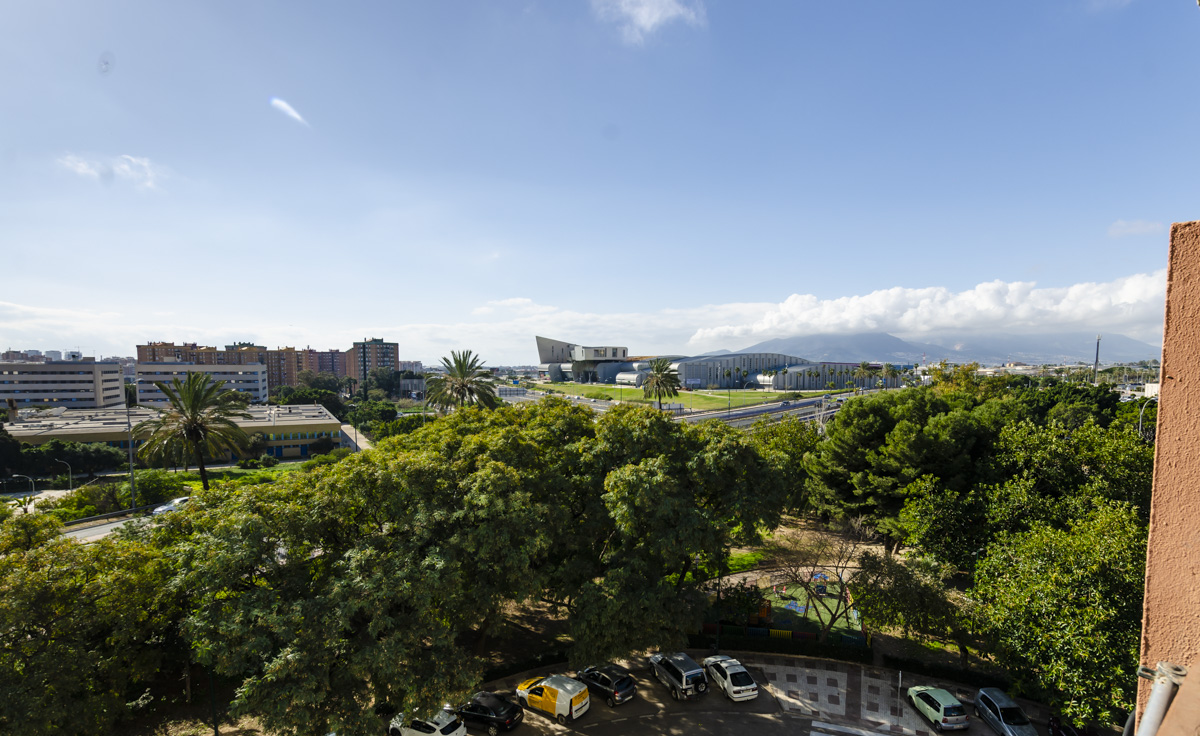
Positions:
(1171, 613)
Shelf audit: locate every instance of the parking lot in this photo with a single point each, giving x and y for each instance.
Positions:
(796, 696)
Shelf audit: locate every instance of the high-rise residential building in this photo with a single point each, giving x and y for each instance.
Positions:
(249, 379)
(283, 364)
(332, 361)
(53, 355)
(410, 365)
(368, 355)
(83, 384)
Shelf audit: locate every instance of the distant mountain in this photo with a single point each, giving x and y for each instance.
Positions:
(993, 349)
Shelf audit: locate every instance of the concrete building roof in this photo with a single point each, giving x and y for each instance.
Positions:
(81, 423)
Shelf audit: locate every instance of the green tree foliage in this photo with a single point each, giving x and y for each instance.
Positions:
(784, 445)
(876, 446)
(10, 453)
(198, 422)
(324, 381)
(298, 396)
(153, 486)
(358, 583)
(365, 413)
(82, 632)
(381, 430)
(1063, 609)
(465, 382)
(84, 458)
(661, 381)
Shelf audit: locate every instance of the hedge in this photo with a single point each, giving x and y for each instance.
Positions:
(946, 672)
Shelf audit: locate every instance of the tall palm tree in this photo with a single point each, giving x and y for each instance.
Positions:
(198, 421)
(890, 372)
(863, 371)
(661, 381)
(465, 382)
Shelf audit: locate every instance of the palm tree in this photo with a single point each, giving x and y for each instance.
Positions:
(890, 372)
(728, 384)
(465, 382)
(784, 373)
(863, 371)
(198, 421)
(661, 381)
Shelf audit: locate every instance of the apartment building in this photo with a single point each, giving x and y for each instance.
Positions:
(283, 364)
(250, 380)
(368, 355)
(332, 361)
(84, 384)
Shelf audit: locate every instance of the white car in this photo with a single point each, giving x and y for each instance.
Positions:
(442, 722)
(730, 677)
(173, 505)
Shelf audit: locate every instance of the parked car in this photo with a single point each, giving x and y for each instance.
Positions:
(491, 712)
(610, 682)
(680, 673)
(1001, 713)
(730, 677)
(558, 696)
(941, 708)
(442, 722)
(173, 505)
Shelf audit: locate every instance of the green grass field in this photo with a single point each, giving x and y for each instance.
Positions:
(216, 475)
(806, 619)
(703, 400)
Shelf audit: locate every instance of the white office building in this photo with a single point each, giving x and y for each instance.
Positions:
(250, 379)
(74, 385)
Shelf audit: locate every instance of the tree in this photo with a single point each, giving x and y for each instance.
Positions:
(465, 382)
(811, 563)
(198, 420)
(1063, 610)
(131, 394)
(662, 380)
(889, 372)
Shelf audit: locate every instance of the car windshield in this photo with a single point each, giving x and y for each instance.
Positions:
(450, 727)
(1013, 717)
(955, 710)
(741, 679)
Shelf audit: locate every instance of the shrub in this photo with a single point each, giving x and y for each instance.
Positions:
(268, 461)
(597, 395)
(247, 463)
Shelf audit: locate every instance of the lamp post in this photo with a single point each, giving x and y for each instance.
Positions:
(70, 474)
(132, 486)
(1142, 413)
(354, 423)
(32, 489)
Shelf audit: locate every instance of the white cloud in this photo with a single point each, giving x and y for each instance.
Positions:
(1124, 228)
(1132, 305)
(502, 331)
(141, 172)
(288, 110)
(639, 18)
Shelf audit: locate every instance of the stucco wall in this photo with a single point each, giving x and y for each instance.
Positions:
(1171, 613)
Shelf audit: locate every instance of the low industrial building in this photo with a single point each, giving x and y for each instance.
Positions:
(83, 384)
(288, 430)
(250, 380)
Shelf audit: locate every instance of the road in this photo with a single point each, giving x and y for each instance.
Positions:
(95, 532)
(745, 416)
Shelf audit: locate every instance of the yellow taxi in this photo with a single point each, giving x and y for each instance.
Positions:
(558, 696)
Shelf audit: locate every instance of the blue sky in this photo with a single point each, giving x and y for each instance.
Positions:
(670, 175)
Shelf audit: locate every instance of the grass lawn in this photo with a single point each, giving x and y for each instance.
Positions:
(702, 400)
(805, 619)
(216, 475)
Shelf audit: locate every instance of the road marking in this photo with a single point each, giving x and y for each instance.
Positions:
(844, 729)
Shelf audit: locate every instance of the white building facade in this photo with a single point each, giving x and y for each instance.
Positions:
(250, 379)
(74, 385)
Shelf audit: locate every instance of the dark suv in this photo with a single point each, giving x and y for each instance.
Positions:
(610, 682)
(680, 674)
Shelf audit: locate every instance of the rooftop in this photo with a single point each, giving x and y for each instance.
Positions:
(93, 421)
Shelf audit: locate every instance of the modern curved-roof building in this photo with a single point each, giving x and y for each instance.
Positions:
(562, 361)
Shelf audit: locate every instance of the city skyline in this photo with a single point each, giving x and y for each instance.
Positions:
(680, 175)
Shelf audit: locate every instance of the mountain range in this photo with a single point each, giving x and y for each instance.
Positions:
(991, 349)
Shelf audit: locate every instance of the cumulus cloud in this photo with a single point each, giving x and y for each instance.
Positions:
(1124, 228)
(286, 109)
(138, 171)
(639, 18)
(502, 330)
(1131, 305)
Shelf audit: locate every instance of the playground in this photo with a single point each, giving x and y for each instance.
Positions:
(785, 611)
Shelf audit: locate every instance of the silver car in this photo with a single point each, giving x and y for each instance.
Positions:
(1001, 713)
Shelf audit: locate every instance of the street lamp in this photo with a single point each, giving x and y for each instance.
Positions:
(70, 474)
(32, 489)
(1143, 412)
(354, 423)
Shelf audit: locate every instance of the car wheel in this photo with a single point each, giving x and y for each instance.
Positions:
(977, 712)
(937, 726)
(562, 719)
(493, 730)
(675, 692)
(524, 702)
(611, 703)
